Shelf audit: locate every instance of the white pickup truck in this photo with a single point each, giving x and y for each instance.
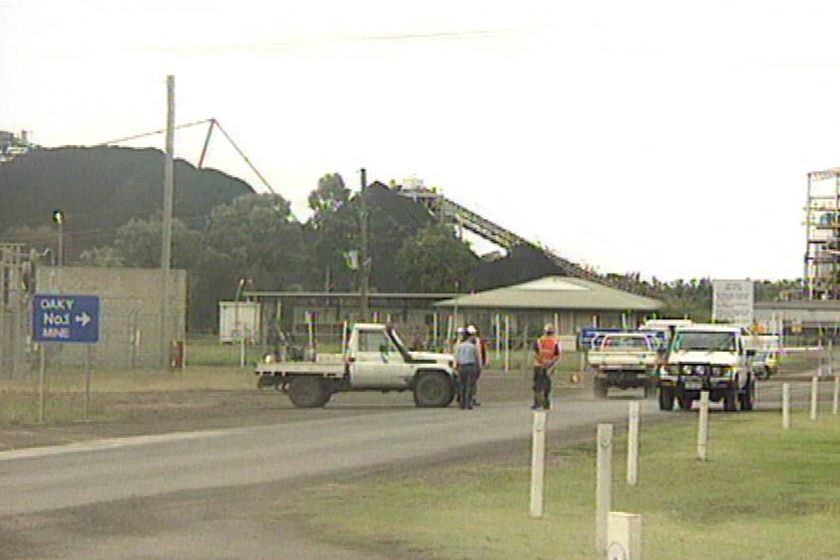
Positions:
(375, 360)
(712, 358)
(623, 360)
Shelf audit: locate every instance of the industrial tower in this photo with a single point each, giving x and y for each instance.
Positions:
(822, 231)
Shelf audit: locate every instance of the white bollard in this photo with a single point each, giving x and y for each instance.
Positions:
(624, 536)
(703, 426)
(538, 465)
(786, 406)
(603, 485)
(814, 391)
(633, 445)
(835, 401)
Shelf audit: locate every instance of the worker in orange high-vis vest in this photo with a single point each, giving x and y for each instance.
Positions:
(547, 353)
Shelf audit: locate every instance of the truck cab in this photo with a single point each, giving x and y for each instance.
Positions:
(711, 358)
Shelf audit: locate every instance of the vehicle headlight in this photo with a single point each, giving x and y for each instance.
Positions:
(268, 359)
(686, 370)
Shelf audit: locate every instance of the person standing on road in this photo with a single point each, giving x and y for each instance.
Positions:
(546, 355)
(482, 353)
(467, 364)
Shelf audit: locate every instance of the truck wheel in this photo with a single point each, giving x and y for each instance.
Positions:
(748, 396)
(729, 400)
(433, 389)
(308, 391)
(666, 398)
(599, 388)
(685, 402)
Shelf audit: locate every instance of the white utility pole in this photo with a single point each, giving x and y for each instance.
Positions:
(168, 202)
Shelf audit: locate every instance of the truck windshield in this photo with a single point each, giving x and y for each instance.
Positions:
(625, 342)
(709, 341)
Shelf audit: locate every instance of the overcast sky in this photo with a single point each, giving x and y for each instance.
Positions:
(670, 138)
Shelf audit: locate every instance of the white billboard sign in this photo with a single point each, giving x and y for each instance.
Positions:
(732, 301)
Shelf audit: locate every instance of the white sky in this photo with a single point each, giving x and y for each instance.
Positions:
(669, 138)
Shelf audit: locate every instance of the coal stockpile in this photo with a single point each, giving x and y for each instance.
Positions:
(392, 220)
(522, 264)
(100, 189)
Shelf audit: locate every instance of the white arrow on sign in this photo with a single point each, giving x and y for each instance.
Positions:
(84, 319)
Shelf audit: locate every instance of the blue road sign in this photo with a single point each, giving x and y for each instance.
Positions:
(63, 318)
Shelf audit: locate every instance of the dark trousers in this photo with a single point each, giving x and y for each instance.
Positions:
(467, 376)
(542, 387)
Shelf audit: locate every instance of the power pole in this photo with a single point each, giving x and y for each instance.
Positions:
(168, 200)
(365, 259)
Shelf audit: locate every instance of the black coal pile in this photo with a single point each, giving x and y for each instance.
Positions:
(102, 188)
(522, 264)
(393, 219)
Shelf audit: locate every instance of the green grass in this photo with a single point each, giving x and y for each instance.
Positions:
(65, 390)
(763, 494)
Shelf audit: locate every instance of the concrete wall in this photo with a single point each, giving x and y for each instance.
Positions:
(130, 313)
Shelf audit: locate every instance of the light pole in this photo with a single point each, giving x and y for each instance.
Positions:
(58, 217)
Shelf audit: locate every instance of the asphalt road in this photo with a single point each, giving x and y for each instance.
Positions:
(220, 493)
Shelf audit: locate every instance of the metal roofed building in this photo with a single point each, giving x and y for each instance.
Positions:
(813, 320)
(569, 303)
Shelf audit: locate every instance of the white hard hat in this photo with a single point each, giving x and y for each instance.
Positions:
(459, 330)
(549, 328)
(472, 330)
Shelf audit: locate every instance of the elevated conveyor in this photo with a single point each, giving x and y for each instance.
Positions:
(451, 212)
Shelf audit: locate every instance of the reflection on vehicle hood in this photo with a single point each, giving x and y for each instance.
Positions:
(703, 357)
(437, 357)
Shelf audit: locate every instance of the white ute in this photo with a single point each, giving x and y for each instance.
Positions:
(710, 358)
(375, 360)
(622, 360)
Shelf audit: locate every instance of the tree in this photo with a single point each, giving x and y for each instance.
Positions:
(435, 261)
(257, 237)
(138, 243)
(331, 231)
(328, 197)
(107, 256)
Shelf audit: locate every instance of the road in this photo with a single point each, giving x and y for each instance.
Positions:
(222, 493)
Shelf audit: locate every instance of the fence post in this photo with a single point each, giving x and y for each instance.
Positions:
(42, 375)
(87, 380)
(603, 485)
(703, 426)
(538, 464)
(835, 401)
(814, 397)
(633, 445)
(507, 342)
(786, 406)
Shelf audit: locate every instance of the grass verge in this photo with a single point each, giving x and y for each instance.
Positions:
(763, 494)
(65, 391)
